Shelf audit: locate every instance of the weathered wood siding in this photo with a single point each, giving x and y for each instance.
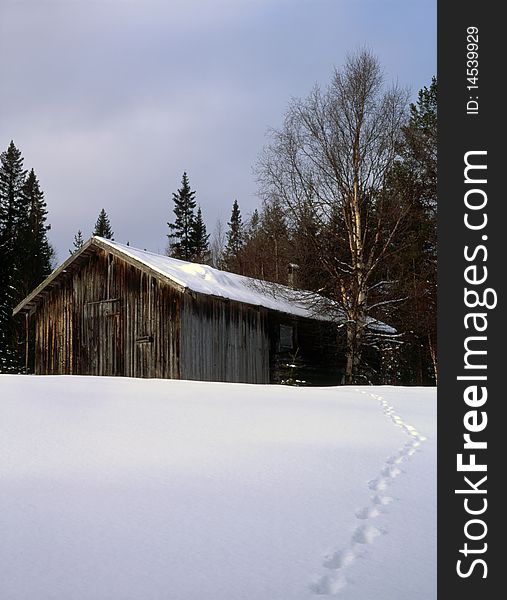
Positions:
(223, 340)
(108, 318)
(55, 335)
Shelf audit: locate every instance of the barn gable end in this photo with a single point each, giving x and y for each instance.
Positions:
(108, 317)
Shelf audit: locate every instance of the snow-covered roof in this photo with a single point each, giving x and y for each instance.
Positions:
(207, 280)
(203, 279)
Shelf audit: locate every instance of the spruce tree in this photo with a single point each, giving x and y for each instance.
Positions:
(103, 226)
(275, 230)
(235, 240)
(253, 224)
(78, 242)
(182, 232)
(201, 239)
(252, 253)
(25, 251)
(34, 252)
(12, 179)
(413, 267)
(310, 274)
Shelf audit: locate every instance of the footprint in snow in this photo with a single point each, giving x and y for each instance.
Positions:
(329, 585)
(340, 559)
(396, 460)
(369, 512)
(391, 471)
(378, 485)
(365, 534)
(382, 500)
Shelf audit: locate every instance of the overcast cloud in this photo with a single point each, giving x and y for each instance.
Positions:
(111, 100)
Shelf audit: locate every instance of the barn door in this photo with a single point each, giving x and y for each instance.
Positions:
(101, 339)
(144, 340)
(144, 356)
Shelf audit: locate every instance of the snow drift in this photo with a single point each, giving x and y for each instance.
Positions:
(124, 489)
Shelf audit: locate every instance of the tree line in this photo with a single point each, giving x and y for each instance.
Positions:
(348, 190)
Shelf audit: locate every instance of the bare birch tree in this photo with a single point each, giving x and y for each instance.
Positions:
(330, 159)
(217, 245)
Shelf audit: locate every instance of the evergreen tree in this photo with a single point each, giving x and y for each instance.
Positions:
(34, 253)
(182, 239)
(103, 226)
(412, 268)
(310, 274)
(12, 179)
(267, 252)
(253, 225)
(25, 252)
(78, 242)
(252, 253)
(201, 239)
(405, 289)
(275, 231)
(235, 240)
(420, 147)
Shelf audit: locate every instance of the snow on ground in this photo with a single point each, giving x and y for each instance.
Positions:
(120, 489)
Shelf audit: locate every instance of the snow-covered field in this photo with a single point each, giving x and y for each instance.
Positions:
(120, 489)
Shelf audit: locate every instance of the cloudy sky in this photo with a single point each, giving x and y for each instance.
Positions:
(111, 100)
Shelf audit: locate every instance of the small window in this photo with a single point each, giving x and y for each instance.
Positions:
(286, 337)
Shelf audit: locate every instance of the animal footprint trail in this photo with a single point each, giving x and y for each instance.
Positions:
(335, 581)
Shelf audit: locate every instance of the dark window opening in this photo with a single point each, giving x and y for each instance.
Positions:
(286, 337)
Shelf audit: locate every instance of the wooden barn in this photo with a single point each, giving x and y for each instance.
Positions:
(111, 309)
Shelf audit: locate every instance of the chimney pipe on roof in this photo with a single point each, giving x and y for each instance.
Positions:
(292, 269)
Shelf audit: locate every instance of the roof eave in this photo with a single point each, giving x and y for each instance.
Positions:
(29, 303)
